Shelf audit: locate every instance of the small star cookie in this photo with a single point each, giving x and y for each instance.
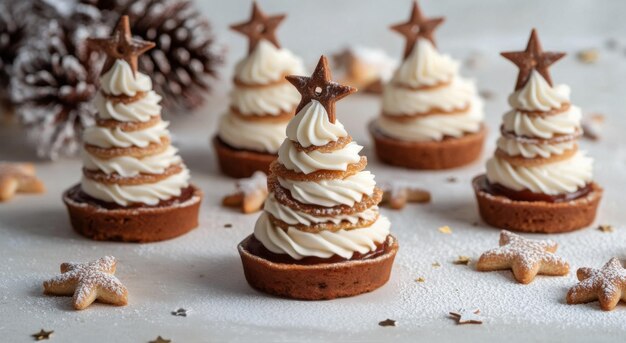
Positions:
(18, 177)
(607, 285)
(89, 282)
(525, 257)
(465, 316)
(250, 195)
(397, 194)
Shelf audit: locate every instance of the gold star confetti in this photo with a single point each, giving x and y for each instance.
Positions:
(42, 334)
(420, 279)
(436, 265)
(464, 316)
(445, 229)
(161, 340)
(606, 228)
(387, 322)
(462, 260)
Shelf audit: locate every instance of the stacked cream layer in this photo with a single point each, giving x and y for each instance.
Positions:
(427, 100)
(322, 202)
(127, 157)
(262, 101)
(537, 150)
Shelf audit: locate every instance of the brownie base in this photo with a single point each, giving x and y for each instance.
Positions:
(322, 281)
(137, 224)
(537, 216)
(429, 155)
(241, 163)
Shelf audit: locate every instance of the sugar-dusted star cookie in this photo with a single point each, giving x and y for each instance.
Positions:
(397, 194)
(18, 177)
(465, 316)
(89, 282)
(607, 285)
(525, 257)
(250, 195)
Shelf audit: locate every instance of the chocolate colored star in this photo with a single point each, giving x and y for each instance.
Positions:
(320, 87)
(387, 322)
(42, 334)
(121, 46)
(161, 340)
(418, 26)
(259, 26)
(533, 58)
(607, 285)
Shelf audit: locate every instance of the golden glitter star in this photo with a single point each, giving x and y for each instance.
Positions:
(321, 88)
(464, 316)
(445, 229)
(121, 46)
(607, 285)
(525, 257)
(417, 26)
(462, 260)
(533, 58)
(259, 26)
(89, 282)
(42, 335)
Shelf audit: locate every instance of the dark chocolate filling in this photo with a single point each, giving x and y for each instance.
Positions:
(527, 195)
(79, 196)
(255, 247)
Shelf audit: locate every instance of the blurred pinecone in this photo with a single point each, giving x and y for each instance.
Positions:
(185, 56)
(55, 77)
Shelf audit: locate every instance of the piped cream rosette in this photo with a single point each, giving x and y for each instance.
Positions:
(127, 157)
(537, 150)
(322, 202)
(262, 102)
(427, 100)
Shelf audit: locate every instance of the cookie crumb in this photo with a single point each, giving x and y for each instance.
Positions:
(588, 56)
(387, 322)
(462, 260)
(445, 229)
(606, 228)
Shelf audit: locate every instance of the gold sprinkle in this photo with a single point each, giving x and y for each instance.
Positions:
(588, 56)
(42, 335)
(445, 229)
(606, 228)
(462, 260)
(436, 265)
(420, 279)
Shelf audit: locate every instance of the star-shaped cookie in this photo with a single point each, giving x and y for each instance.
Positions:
(525, 257)
(607, 285)
(259, 26)
(121, 46)
(397, 194)
(467, 316)
(89, 282)
(533, 58)
(18, 177)
(250, 195)
(418, 26)
(321, 88)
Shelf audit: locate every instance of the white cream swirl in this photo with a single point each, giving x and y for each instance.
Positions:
(555, 178)
(141, 110)
(434, 127)
(105, 137)
(329, 193)
(299, 244)
(403, 101)
(538, 95)
(128, 166)
(119, 80)
(308, 162)
(425, 66)
(269, 100)
(293, 217)
(251, 135)
(149, 193)
(546, 127)
(311, 126)
(513, 147)
(266, 64)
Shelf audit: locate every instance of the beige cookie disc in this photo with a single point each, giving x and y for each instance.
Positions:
(281, 117)
(431, 112)
(326, 148)
(326, 226)
(279, 170)
(116, 179)
(133, 151)
(129, 126)
(520, 161)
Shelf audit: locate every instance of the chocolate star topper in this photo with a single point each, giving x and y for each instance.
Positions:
(121, 46)
(533, 58)
(259, 26)
(417, 26)
(320, 87)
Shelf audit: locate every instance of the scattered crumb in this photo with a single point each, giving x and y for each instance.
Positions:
(445, 229)
(487, 94)
(228, 226)
(420, 279)
(588, 56)
(606, 228)
(436, 265)
(387, 322)
(452, 179)
(462, 260)
(592, 125)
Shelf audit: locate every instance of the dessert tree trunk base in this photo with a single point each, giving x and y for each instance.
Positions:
(537, 216)
(241, 163)
(137, 225)
(318, 281)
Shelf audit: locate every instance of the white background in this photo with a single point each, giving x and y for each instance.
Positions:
(202, 273)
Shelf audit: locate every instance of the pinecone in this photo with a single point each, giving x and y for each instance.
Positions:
(55, 79)
(185, 55)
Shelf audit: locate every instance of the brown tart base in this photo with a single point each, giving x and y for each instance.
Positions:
(428, 155)
(239, 163)
(537, 216)
(318, 281)
(138, 224)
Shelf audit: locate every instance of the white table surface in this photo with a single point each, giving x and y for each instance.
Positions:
(201, 271)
